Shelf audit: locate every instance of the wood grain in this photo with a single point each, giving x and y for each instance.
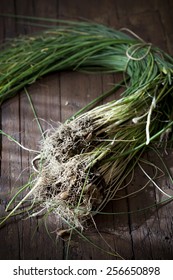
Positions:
(141, 235)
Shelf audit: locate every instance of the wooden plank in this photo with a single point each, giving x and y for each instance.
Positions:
(92, 86)
(145, 226)
(76, 91)
(10, 166)
(27, 244)
(45, 97)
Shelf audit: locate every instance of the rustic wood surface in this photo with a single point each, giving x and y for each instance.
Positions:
(141, 235)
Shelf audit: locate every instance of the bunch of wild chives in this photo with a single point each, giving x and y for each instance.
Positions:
(84, 162)
(77, 46)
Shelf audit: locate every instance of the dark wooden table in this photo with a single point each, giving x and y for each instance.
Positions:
(141, 235)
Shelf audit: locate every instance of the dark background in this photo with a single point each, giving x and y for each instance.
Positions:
(142, 235)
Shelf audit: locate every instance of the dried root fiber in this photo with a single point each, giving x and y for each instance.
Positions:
(65, 183)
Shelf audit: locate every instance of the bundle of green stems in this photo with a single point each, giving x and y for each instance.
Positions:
(84, 162)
